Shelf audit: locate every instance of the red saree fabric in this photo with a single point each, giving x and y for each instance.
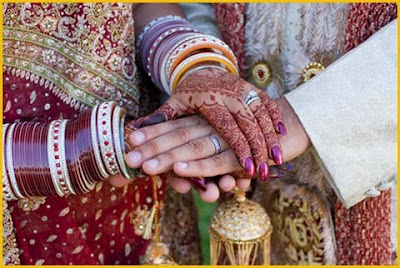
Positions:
(60, 59)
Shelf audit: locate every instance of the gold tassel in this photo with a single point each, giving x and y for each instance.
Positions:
(156, 253)
(149, 225)
(240, 233)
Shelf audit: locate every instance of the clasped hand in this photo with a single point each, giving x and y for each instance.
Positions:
(249, 135)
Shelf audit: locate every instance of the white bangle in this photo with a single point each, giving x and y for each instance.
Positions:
(95, 143)
(104, 124)
(63, 161)
(118, 116)
(10, 163)
(51, 152)
(8, 194)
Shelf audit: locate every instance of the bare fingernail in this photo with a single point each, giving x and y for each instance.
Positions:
(138, 136)
(264, 171)
(153, 163)
(249, 166)
(276, 155)
(134, 157)
(182, 165)
(282, 128)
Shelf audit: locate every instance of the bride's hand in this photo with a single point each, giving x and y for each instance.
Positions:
(220, 98)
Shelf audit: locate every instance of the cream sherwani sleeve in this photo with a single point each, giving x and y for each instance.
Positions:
(350, 114)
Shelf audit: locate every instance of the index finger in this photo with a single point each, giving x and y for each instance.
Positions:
(148, 133)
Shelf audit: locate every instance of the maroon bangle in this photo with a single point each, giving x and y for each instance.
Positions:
(46, 175)
(70, 157)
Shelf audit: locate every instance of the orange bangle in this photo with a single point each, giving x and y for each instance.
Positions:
(185, 65)
(186, 48)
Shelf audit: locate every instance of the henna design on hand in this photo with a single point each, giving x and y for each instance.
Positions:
(219, 97)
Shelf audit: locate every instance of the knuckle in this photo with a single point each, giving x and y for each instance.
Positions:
(181, 135)
(218, 162)
(197, 146)
(167, 158)
(152, 147)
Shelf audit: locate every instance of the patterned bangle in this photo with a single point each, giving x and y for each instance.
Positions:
(197, 58)
(8, 194)
(151, 24)
(63, 160)
(95, 143)
(105, 136)
(204, 42)
(163, 52)
(118, 128)
(162, 69)
(10, 165)
(156, 43)
(53, 152)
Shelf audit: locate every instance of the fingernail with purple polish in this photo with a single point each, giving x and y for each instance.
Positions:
(276, 155)
(249, 166)
(198, 183)
(264, 171)
(282, 128)
(154, 119)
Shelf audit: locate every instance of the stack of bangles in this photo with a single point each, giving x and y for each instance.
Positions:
(170, 49)
(64, 157)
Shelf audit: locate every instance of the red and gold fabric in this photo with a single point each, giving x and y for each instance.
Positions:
(58, 60)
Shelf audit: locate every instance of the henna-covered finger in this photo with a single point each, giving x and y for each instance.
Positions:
(270, 136)
(225, 124)
(274, 113)
(251, 129)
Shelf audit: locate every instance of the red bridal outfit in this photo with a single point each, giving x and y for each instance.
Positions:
(58, 60)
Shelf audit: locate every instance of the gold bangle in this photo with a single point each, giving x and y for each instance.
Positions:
(197, 58)
(188, 47)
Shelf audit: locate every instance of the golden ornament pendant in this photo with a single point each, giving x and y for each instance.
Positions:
(311, 70)
(157, 255)
(240, 233)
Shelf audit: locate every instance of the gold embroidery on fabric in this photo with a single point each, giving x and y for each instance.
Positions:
(299, 228)
(139, 219)
(10, 248)
(87, 50)
(31, 204)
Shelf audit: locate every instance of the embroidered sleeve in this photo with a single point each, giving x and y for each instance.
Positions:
(352, 122)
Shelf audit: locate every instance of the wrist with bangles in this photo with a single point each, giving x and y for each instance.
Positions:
(170, 48)
(63, 156)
